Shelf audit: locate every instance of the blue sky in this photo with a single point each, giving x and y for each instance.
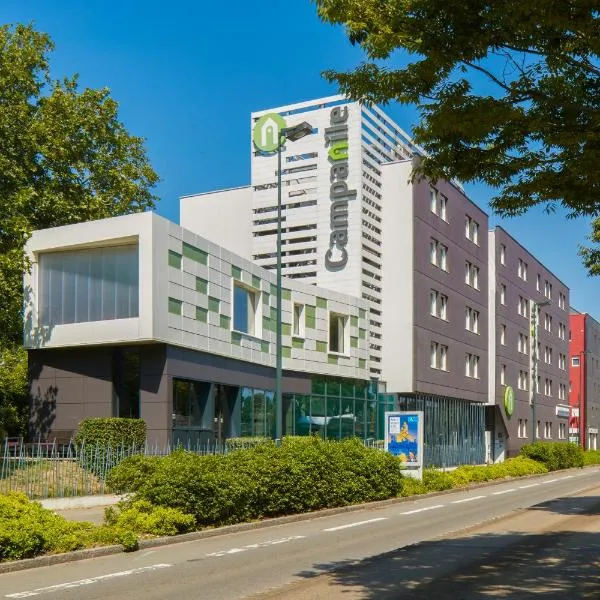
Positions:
(187, 75)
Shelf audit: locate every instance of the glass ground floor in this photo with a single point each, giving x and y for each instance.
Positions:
(336, 408)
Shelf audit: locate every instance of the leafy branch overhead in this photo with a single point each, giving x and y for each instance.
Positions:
(509, 92)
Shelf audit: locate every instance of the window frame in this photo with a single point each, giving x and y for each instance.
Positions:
(254, 309)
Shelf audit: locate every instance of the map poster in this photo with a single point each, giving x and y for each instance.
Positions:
(404, 437)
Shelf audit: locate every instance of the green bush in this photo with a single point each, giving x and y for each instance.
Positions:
(591, 457)
(555, 455)
(144, 518)
(112, 432)
(246, 443)
(437, 481)
(512, 467)
(303, 474)
(27, 530)
(132, 473)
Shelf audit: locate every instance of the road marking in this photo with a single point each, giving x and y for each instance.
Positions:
(568, 477)
(468, 499)
(254, 546)
(418, 510)
(524, 487)
(355, 524)
(549, 481)
(504, 492)
(89, 581)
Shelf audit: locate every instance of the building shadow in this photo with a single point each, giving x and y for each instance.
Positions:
(559, 564)
(42, 411)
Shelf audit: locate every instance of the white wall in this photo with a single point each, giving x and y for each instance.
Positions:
(223, 217)
(398, 275)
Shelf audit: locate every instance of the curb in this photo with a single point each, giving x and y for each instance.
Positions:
(80, 502)
(54, 559)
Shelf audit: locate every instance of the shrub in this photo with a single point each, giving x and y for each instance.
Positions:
(27, 530)
(112, 432)
(555, 455)
(302, 474)
(591, 457)
(142, 517)
(437, 481)
(512, 467)
(132, 473)
(233, 444)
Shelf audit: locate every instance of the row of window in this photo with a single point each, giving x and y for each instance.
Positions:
(438, 307)
(522, 429)
(522, 269)
(523, 310)
(439, 360)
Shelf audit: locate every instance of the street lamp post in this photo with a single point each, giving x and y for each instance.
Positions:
(535, 362)
(291, 134)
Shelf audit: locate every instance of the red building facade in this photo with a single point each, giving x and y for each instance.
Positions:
(584, 379)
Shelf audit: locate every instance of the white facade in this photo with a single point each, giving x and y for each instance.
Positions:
(331, 217)
(185, 297)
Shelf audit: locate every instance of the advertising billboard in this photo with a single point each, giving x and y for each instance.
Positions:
(404, 438)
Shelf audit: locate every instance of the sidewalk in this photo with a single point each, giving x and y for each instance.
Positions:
(83, 508)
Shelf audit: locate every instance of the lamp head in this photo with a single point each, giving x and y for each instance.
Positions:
(297, 131)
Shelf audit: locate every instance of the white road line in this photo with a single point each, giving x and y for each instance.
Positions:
(418, 510)
(89, 581)
(504, 492)
(524, 487)
(354, 524)
(254, 546)
(548, 481)
(568, 477)
(468, 499)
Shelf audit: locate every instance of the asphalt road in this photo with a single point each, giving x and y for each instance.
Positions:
(484, 539)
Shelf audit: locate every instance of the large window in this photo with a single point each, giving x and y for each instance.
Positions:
(337, 333)
(245, 310)
(89, 285)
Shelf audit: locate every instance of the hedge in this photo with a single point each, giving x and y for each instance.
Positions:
(591, 457)
(555, 455)
(113, 431)
(27, 530)
(301, 475)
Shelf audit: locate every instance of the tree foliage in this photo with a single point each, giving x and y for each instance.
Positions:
(64, 158)
(509, 92)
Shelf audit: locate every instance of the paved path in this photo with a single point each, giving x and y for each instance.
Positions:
(288, 561)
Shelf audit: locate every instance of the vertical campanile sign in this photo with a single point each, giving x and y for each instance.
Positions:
(336, 140)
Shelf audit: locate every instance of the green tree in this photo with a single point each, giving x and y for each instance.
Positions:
(64, 158)
(509, 92)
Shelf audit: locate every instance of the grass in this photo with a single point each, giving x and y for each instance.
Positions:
(50, 479)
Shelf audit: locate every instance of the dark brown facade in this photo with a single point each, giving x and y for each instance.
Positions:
(69, 385)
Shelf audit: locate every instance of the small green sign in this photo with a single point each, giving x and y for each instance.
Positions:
(266, 132)
(509, 401)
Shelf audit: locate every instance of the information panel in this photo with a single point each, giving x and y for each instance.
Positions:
(404, 438)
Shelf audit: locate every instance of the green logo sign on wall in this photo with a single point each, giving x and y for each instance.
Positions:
(265, 134)
(509, 401)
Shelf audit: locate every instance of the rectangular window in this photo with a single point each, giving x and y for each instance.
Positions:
(439, 354)
(522, 382)
(471, 275)
(246, 306)
(472, 320)
(438, 254)
(438, 305)
(523, 344)
(443, 208)
(472, 366)
(433, 205)
(471, 230)
(89, 285)
(522, 307)
(502, 294)
(299, 323)
(174, 259)
(538, 282)
(502, 374)
(562, 431)
(575, 361)
(502, 254)
(503, 335)
(175, 306)
(337, 333)
(522, 270)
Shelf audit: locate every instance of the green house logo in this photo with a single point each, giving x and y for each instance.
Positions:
(509, 401)
(265, 134)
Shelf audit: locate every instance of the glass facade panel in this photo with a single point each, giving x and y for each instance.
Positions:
(270, 413)
(247, 412)
(89, 285)
(318, 413)
(259, 428)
